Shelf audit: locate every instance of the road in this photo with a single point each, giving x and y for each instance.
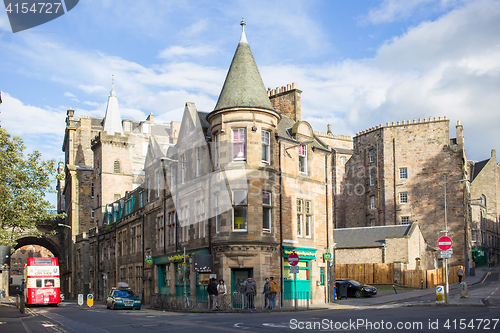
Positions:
(69, 317)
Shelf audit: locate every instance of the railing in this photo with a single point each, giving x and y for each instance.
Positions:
(231, 302)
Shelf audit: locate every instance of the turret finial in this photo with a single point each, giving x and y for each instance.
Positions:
(243, 38)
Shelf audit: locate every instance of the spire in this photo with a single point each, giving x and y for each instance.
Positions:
(243, 86)
(112, 119)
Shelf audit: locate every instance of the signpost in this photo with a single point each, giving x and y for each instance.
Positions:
(445, 243)
(90, 300)
(293, 260)
(80, 299)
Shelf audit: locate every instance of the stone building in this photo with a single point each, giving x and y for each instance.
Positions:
(104, 158)
(484, 189)
(396, 175)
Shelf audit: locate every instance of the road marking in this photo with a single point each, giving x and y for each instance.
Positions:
(26, 326)
(486, 276)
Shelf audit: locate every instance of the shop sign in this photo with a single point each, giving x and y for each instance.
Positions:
(327, 256)
(149, 260)
(304, 253)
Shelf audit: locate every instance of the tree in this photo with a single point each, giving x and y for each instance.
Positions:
(24, 181)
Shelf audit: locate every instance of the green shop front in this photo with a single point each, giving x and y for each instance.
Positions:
(303, 283)
(174, 275)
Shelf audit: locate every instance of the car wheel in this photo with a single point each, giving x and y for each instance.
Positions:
(358, 294)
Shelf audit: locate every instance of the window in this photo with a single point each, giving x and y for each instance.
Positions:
(266, 150)
(372, 202)
(302, 159)
(126, 126)
(405, 220)
(371, 156)
(403, 173)
(266, 211)
(92, 189)
(372, 179)
(217, 216)
(322, 276)
(160, 231)
(308, 219)
(300, 217)
(403, 197)
(171, 228)
(239, 144)
(145, 128)
(240, 210)
(116, 166)
(342, 160)
(216, 149)
(198, 161)
(91, 213)
(372, 223)
(473, 237)
(482, 200)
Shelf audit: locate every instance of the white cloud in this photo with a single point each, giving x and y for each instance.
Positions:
(26, 120)
(89, 89)
(174, 52)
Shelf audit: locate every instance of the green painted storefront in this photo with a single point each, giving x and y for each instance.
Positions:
(480, 256)
(304, 275)
(165, 263)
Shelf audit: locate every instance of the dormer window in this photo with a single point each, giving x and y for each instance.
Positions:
(145, 128)
(127, 126)
(239, 144)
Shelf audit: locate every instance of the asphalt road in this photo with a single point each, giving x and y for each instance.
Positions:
(69, 317)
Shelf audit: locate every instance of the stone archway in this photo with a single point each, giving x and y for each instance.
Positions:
(42, 241)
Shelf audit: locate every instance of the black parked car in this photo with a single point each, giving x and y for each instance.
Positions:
(358, 289)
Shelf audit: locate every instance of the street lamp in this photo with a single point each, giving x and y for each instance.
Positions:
(447, 287)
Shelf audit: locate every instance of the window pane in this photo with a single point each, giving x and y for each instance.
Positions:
(266, 198)
(240, 218)
(299, 205)
(266, 219)
(299, 225)
(239, 197)
(403, 173)
(308, 225)
(308, 207)
(239, 146)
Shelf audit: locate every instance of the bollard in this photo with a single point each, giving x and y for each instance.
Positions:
(21, 307)
(394, 287)
(464, 291)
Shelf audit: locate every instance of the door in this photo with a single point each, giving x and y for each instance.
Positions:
(238, 278)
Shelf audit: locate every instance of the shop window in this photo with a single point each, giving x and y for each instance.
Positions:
(181, 274)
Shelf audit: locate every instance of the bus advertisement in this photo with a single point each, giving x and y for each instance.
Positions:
(42, 284)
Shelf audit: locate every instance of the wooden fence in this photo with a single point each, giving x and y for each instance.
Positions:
(366, 273)
(384, 273)
(430, 278)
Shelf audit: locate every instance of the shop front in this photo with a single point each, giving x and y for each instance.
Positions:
(176, 275)
(303, 283)
(480, 256)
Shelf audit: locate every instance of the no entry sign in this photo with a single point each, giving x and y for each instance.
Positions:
(293, 259)
(445, 243)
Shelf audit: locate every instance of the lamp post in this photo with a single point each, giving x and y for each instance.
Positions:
(447, 286)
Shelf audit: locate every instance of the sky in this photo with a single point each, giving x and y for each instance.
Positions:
(358, 63)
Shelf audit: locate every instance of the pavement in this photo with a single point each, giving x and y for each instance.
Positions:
(8, 307)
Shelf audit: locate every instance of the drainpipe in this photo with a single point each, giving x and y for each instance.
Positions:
(143, 256)
(281, 222)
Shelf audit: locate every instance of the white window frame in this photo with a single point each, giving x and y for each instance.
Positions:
(300, 217)
(403, 197)
(372, 202)
(267, 209)
(403, 173)
(308, 219)
(405, 220)
(372, 179)
(371, 156)
(240, 205)
(241, 141)
(266, 146)
(303, 158)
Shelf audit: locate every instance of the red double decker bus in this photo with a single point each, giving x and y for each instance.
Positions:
(42, 284)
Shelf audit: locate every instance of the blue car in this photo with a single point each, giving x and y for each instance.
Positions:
(123, 297)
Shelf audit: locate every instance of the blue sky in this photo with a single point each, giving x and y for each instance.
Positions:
(358, 63)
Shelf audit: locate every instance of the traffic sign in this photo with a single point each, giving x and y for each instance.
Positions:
(90, 300)
(294, 269)
(80, 299)
(445, 243)
(293, 259)
(447, 253)
(104, 276)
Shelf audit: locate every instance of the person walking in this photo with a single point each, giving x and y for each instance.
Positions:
(460, 273)
(266, 293)
(273, 290)
(212, 293)
(222, 292)
(251, 291)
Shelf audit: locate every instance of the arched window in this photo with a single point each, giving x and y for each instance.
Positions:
(482, 200)
(117, 166)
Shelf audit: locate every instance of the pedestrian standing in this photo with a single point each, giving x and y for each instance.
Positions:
(460, 273)
(212, 293)
(266, 293)
(251, 291)
(222, 292)
(273, 290)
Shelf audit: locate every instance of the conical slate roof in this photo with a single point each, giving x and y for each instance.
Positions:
(113, 120)
(243, 86)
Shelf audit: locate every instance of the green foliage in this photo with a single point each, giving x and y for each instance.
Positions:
(24, 180)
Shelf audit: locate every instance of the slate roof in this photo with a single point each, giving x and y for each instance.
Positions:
(344, 151)
(477, 167)
(284, 131)
(243, 86)
(367, 236)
